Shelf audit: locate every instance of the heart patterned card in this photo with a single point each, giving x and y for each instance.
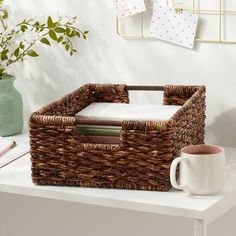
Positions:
(177, 28)
(126, 8)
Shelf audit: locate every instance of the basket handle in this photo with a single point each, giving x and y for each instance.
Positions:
(145, 87)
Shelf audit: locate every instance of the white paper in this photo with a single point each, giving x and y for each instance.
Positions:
(14, 153)
(126, 8)
(177, 28)
(122, 111)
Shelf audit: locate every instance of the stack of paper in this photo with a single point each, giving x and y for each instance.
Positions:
(9, 154)
(118, 112)
(123, 111)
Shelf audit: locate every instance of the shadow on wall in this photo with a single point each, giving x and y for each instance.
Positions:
(54, 74)
(224, 129)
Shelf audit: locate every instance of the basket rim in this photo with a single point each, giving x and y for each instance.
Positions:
(39, 118)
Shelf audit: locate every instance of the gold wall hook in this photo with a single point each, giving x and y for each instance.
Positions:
(178, 10)
(178, 7)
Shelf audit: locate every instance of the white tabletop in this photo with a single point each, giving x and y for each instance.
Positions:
(16, 178)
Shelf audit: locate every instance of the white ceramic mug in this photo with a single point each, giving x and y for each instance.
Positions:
(202, 169)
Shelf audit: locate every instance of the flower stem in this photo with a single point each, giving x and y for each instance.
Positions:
(3, 24)
(22, 54)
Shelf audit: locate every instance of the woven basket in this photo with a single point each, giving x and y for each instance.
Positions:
(141, 160)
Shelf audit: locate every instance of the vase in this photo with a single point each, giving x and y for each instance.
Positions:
(11, 107)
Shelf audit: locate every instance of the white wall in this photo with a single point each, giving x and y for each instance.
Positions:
(108, 58)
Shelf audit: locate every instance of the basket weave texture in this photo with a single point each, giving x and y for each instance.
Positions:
(142, 159)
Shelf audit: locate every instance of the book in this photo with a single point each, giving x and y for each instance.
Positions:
(99, 131)
(13, 153)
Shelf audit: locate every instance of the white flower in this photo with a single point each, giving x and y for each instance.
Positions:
(66, 19)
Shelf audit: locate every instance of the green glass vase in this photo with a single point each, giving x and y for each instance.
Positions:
(11, 106)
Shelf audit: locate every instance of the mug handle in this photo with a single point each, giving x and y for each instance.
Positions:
(173, 168)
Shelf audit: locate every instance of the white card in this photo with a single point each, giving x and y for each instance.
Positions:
(177, 28)
(126, 8)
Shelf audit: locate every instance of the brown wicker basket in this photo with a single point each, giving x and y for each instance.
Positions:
(141, 160)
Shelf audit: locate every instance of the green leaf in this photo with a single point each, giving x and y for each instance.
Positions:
(42, 27)
(60, 30)
(16, 52)
(53, 35)
(67, 31)
(67, 47)
(78, 34)
(23, 28)
(72, 34)
(50, 22)
(55, 24)
(45, 41)
(4, 54)
(5, 14)
(86, 32)
(37, 26)
(4, 57)
(5, 51)
(32, 53)
(22, 46)
(84, 36)
(59, 40)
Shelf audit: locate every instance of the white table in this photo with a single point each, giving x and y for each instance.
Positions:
(16, 179)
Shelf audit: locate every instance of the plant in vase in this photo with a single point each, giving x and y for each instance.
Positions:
(17, 44)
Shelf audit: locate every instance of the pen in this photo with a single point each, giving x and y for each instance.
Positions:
(7, 147)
